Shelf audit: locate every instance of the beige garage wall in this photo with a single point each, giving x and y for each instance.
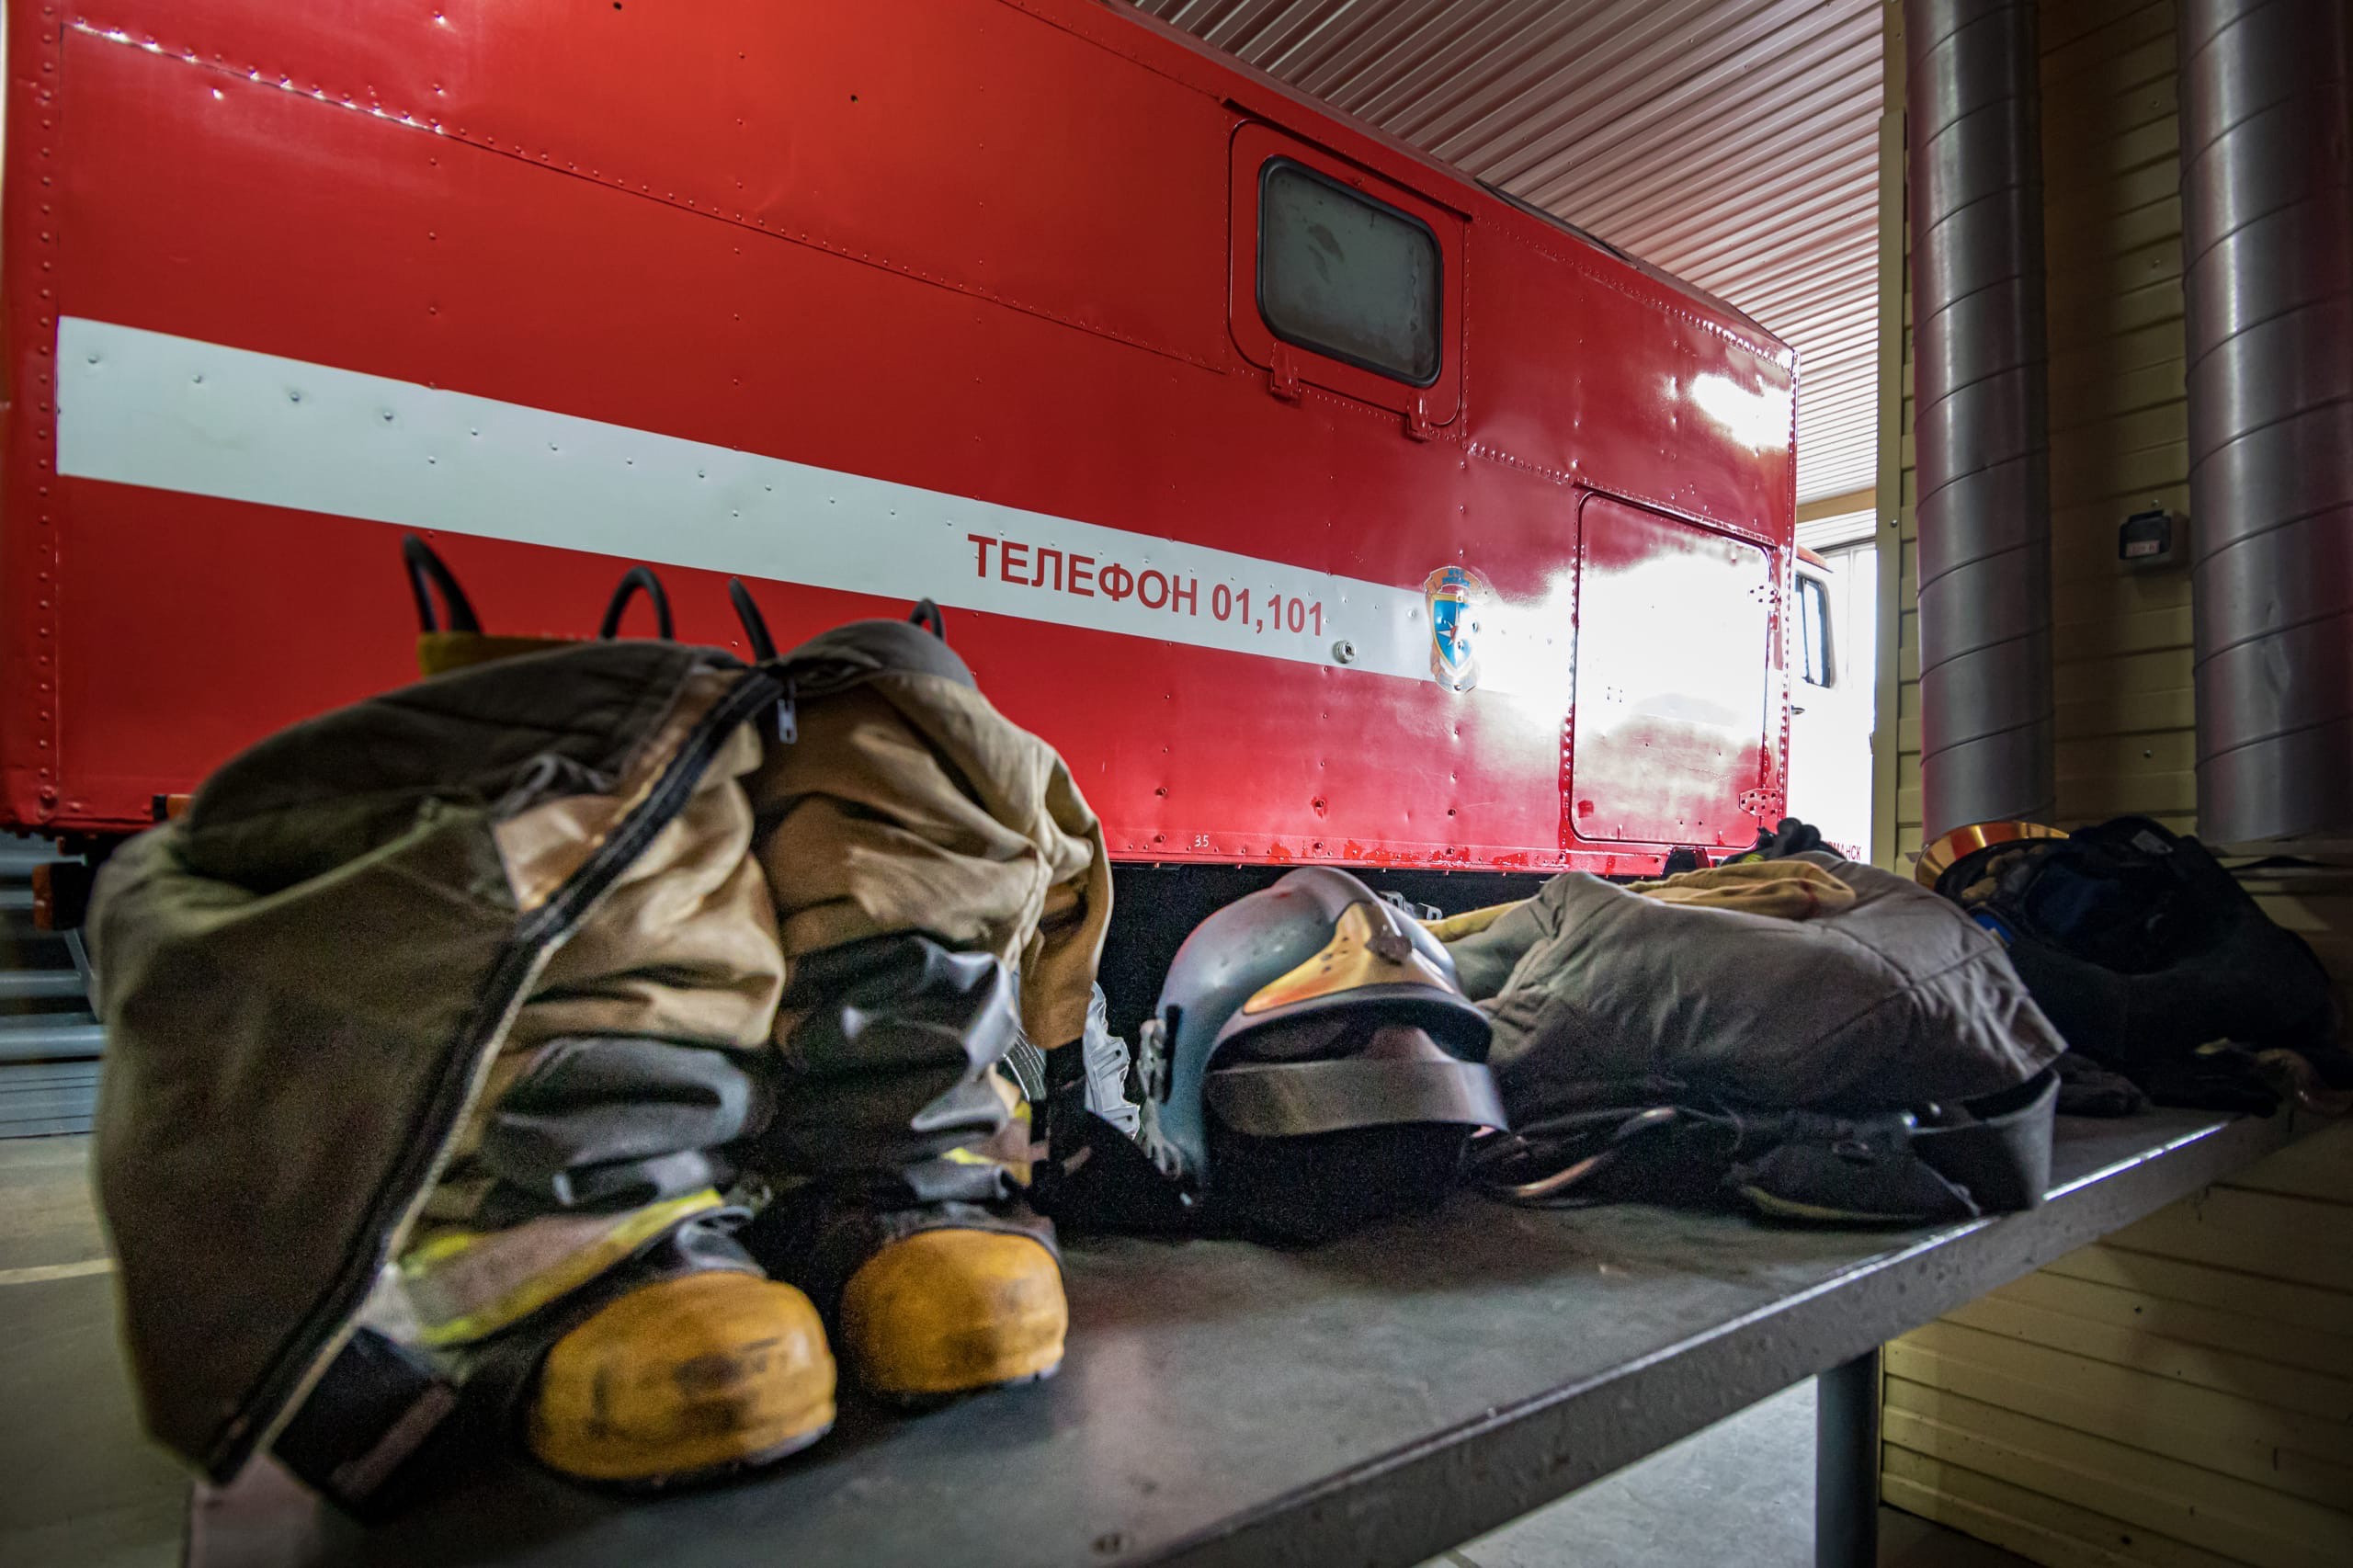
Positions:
(2181, 1394)
(2119, 425)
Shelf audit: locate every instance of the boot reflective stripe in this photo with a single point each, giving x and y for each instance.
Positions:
(467, 1285)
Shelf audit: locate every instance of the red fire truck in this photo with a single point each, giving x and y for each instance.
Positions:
(1316, 501)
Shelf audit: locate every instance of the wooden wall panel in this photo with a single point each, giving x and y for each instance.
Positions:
(2118, 429)
(2181, 1394)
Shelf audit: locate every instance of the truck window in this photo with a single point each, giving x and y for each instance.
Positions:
(1814, 630)
(1344, 275)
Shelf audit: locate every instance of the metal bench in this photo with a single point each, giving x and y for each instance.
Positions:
(1372, 1403)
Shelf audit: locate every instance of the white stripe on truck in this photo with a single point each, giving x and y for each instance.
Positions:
(147, 408)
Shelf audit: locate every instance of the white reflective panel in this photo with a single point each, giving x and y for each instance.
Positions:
(1674, 628)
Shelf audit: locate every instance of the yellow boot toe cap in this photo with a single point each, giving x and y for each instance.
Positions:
(949, 1312)
(684, 1378)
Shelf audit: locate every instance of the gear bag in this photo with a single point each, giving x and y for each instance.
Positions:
(1874, 1061)
(2141, 948)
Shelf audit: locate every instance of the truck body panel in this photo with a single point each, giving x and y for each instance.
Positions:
(952, 300)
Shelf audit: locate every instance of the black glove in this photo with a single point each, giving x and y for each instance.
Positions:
(1788, 838)
(2085, 1088)
(2227, 1081)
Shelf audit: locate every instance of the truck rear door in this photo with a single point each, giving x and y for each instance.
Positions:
(1670, 741)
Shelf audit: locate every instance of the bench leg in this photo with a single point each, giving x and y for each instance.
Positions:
(1845, 1465)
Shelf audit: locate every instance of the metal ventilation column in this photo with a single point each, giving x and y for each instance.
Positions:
(2267, 236)
(1975, 159)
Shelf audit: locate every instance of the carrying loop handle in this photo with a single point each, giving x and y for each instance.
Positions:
(929, 614)
(1559, 1154)
(635, 578)
(423, 568)
(755, 625)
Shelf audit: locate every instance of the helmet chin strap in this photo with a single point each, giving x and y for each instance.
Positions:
(1402, 1042)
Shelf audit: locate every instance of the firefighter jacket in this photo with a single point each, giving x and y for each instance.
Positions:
(1884, 996)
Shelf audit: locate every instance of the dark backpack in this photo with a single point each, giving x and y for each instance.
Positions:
(2141, 948)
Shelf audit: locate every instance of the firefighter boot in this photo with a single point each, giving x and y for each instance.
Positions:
(951, 1311)
(685, 1379)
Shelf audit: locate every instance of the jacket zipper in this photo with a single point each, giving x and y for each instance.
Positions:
(318, 1338)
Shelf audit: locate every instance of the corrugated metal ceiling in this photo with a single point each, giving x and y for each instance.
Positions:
(1733, 142)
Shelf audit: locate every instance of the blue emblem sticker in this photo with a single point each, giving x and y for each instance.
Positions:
(1455, 594)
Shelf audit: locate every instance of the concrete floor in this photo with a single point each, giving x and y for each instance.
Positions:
(80, 1487)
(1740, 1492)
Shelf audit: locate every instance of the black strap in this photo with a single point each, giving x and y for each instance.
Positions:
(2002, 1153)
(755, 625)
(1298, 1100)
(1536, 1162)
(816, 1236)
(1096, 1176)
(1992, 1155)
(425, 574)
(635, 579)
(375, 1426)
(929, 614)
